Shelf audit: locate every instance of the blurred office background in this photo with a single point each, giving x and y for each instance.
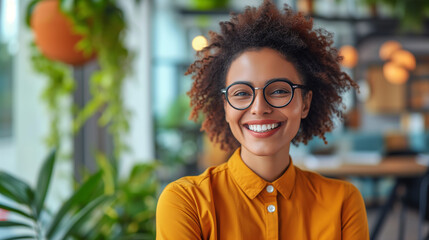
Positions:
(389, 116)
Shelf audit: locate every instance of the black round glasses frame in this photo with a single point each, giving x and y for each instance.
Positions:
(292, 85)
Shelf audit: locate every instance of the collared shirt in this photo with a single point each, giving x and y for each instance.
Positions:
(230, 201)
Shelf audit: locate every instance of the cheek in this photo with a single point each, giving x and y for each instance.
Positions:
(232, 117)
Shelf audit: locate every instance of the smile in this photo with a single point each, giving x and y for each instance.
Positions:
(260, 128)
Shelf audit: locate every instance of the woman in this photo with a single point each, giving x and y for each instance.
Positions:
(265, 81)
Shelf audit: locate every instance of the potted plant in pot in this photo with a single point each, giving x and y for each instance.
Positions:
(54, 33)
(97, 31)
(102, 207)
(29, 204)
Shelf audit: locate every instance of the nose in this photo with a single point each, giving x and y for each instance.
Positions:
(259, 105)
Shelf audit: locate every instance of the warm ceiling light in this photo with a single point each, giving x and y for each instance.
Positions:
(388, 48)
(405, 59)
(350, 56)
(199, 42)
(395, 73)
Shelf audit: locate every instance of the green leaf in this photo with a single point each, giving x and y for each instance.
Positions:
(29, 11)
(43, 181)
(80, 217)
(108, 173)
(15, 189)
(13, 224)
(90, 187)
(20, 237)
(16, 210)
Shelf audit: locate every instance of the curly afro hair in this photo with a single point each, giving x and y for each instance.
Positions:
(292, 35)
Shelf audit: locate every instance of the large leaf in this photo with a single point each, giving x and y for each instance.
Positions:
(16, 210)
(43, 181)
(15, 189)
(90, 187)
(20, 237)
(13, 224)
(78, 218)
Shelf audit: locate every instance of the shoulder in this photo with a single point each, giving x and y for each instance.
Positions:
(320, 183)
(179, 208)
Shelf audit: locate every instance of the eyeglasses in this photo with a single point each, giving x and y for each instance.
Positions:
(278, 93)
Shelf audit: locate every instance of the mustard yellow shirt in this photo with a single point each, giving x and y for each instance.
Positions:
(231, 202)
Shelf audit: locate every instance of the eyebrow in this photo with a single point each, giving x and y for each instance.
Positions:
(268, 81)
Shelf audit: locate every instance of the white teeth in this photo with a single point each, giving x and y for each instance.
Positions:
(263, 128)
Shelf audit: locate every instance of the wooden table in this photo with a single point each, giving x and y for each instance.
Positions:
(400, 168)
(387, 167)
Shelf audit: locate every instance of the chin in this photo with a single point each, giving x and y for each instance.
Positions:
(263, 151)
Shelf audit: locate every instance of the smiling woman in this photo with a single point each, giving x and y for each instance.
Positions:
(262, 68)
(267, 80)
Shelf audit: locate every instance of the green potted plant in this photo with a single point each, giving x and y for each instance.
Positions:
(29, 203)
(102, 207)
(98, 27)
(131, 213)
(54, 34)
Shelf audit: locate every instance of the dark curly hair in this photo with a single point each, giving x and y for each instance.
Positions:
(292, 35)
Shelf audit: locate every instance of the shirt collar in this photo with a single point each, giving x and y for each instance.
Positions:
(252, 184)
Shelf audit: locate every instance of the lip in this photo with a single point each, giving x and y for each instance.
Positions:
(261, 122)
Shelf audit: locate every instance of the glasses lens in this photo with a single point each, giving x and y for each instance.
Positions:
(240, 95)
(278, 93)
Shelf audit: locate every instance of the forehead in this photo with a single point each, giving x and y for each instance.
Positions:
(259, 66)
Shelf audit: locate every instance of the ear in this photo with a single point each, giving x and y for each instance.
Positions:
(306, 104)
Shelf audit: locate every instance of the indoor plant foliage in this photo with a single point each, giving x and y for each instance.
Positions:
(38, 222)
(101, 23)
(59, 88)
(131, 214)
(102, 207)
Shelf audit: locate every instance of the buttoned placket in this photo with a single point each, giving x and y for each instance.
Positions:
(269, 199)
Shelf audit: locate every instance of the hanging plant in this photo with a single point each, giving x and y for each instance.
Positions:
(54, 34)
(98, 30)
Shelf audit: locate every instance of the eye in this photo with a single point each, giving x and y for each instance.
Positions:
(280, 92)
(241, 94)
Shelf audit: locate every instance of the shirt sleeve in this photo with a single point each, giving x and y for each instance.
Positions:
(354, 218)
(176, 217)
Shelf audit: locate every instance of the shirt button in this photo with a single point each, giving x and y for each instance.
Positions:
(270, 188)
(271, 208)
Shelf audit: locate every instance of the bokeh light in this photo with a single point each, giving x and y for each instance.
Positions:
(388, 48)
(199, 42)
(350, 56)
(395, 73)
(404, 58)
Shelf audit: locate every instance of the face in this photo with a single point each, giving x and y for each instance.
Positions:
(257, 68)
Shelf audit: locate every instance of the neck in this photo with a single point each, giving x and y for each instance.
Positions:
(267, 167)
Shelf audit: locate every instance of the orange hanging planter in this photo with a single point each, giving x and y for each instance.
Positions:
(54, 34)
